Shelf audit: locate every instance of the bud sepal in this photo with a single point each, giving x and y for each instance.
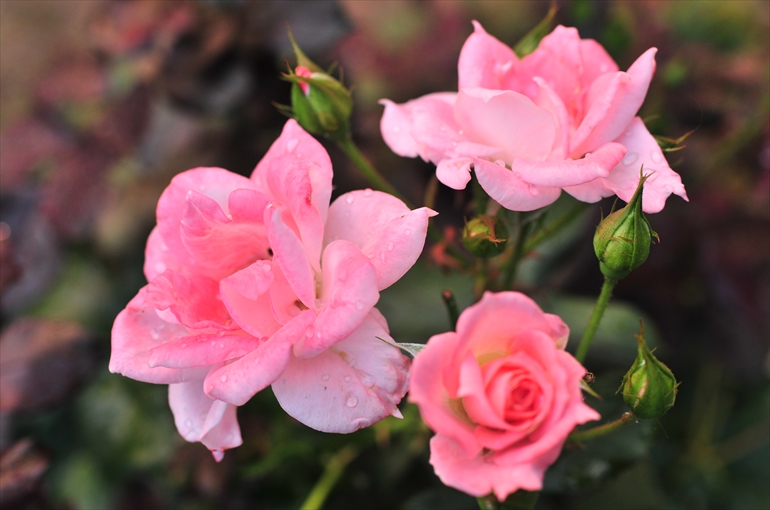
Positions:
(485, 237)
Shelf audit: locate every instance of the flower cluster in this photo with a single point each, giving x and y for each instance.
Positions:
(561, 118)
(259, 281)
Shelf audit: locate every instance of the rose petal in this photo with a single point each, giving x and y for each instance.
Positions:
(246, 296)
(290, 254)
(201, 350)
(351, 385)
(509, 191)
(380, 225)
(568, 172)
(484, 61)
(192, 300)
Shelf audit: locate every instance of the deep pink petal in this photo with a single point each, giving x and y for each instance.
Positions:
(290, 254)
(643, 150)
(201, 350)
(558, 61)
(247, 298)
(612, 103)
(382, 226)
(559, 330)
(283, 301)
(475, 401)
(238, 381)
(570, 172)
(353, 384)
(507, 120)
(297, 173)
(509, 191)
(478, 475)
(198, 418)
(484, 61)
(192, 299)
(222, 244)
(438, 408)
(348, 292)
(135, 332)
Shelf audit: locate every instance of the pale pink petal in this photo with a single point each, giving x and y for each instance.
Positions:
(596, 60)
(559, 330)
(547, 99)
(222, 245)
(289, 252)
(135, 332)
(570, 172)
(612, 103)
(507, 120)
(238, 381)
(509, 191)
(382, 226)
(349, 291)
(643, 150)
(590, 191)
(158, 257)
(198, 418)
(283, 301)
(484, 61)
(396, 128)
(201, 350)
(192, 300)
(434, 127)
(353, 384)
(473, 394)
(215, 183)
(438, 408)
(246, 296)
(558, 61)
(297, 173)
(478, 475)
(454, 172)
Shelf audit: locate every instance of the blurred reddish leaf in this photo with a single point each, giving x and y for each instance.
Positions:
(23, 145)
(21, 467)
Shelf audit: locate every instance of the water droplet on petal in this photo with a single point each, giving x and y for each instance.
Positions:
(349, 199)
(291, 145)
(656, 157)
(629, 133)
(443, 128)
(630, 158)
(461, 132)
(533, 190)
(382, 256)
(371, 255)
(223, 378)
(202, 187)
(396, 129)
(188, 423)
(359, 305)
(221, 345)
(325, 377)
(368, 192)
(500, 162)
(351, 401)
(164, 247)
(347, 378)
(160, 267)
(154, 333)
(318, 334)
(347, 214)
(407, 232)
(390, 246)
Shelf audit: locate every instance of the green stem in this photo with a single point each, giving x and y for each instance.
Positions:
(510, 268)
(451, 306)
(552, 228)
(369, 172)
(601, 430)
(481, 278)
(596, 318)
(329, 478)
(480, 197)
(519, 500)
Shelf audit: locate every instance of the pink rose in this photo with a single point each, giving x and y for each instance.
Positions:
(501, 395)
(562, 117)
(257, 282)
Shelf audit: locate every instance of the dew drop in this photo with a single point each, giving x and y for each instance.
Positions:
(154, 333)
(500, 162)
(443, 128)
(359, 305)
(213, 343)
(160, 267)
(371, 255)
(347, 378)
(347, 214)
(630, 158)
(533, 190)
(325, 377)
(164, 247)
(349, 199)
(368, 192)
(461, 132)
(655, 155)
(390, 246)
(188, 424)
(291, 145)
(223, 378)
(351, 401)
(382, 256)
(202, 187)
(318, 334)
(396, 129)
(629, 133)
(221, 345)
(407, 232)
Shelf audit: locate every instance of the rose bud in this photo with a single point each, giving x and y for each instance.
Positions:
(485, 237)
(649, 388)
(319, 102)
(622, 240)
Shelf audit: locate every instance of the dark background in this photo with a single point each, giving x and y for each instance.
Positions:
(101, 103)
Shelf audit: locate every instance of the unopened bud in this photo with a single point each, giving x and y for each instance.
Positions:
(622, 240)
(485, 237)
(319, 102)
(649, 388)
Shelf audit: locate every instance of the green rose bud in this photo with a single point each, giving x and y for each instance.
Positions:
(622, 240)
(649, 388)
(485, 237)
(319, 102)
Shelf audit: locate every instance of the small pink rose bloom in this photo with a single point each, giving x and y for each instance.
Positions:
(561, 118)
(501, 395)
(257, 282)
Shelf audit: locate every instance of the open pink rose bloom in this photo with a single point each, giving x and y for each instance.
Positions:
(501, 395)
(561, 118)
(259, 281)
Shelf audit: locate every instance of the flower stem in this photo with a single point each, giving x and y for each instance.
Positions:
(369, 172)
(596, 317)
(519, 500)
(522, 230)
(552, 228)
(451, 305)
(332, 472)
(601, 430)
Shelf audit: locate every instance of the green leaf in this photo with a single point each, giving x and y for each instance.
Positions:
(529, 42)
